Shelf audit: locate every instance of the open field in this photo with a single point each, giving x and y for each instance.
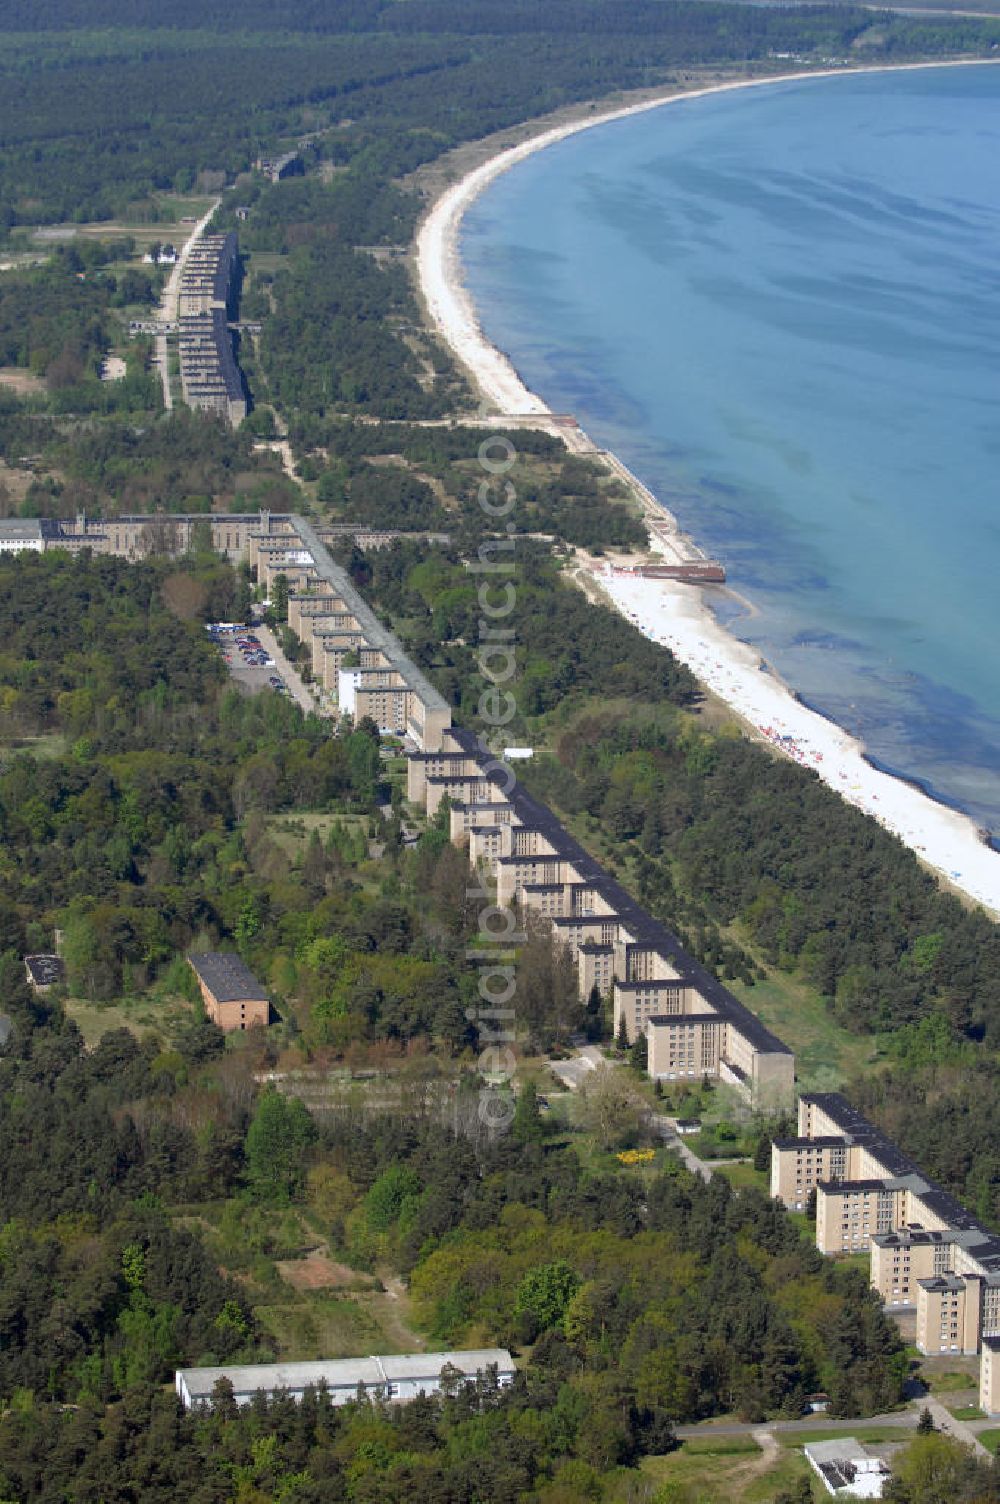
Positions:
(267, 261)
(864, 1434)
(309, 1302)
(324, 1326)
(165, 218)
(292, 832)
(743, 1177)
(21, 382)
(143, 1016)
(730, 1469)
(825, 1054)
(942, 1376)
(50, 744)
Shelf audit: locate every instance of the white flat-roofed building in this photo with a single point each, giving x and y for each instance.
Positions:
(23, 535)
(846, 1470)
(399, 1376)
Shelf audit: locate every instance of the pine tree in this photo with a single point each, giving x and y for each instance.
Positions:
(527, 1126)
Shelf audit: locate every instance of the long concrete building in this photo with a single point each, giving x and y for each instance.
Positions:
(694, 1027)
(211, 380)
(928, 1254)
(397, 1377)
(361, 665)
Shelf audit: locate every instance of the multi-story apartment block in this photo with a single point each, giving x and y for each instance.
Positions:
(339, 627)
(989, 1376)
(211, 380)
(927, 1252)
(693, 1025)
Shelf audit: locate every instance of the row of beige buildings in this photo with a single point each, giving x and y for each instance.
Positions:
(360, 665)
(927, 1252)
(693, 1026)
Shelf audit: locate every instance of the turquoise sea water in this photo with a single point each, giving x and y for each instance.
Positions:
(781, 307)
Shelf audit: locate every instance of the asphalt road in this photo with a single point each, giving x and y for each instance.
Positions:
(299, 692)
(904, 1419)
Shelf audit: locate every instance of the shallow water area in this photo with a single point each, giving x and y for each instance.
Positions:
(781, 307)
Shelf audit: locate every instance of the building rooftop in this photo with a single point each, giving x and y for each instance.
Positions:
(681, 1020)
(27, 527)
(375, 634)
(856, 1127)
(845, 1187)
(227, 977)
(809, 1143)
(911, 1237)
(343, 1373)
(845, 1466)
(44, 971)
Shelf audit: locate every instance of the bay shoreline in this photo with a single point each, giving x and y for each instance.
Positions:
(679, 616)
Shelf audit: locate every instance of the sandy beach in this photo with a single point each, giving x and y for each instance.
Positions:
(677, 615)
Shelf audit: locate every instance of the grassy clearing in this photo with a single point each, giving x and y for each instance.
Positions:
(739, 1477)
(321, 1326)
(52, 744)
(991, 1440)
(722, 1446)
(173, 221)
(292, 833)
(825, 1054)
(145, 1017)
(267, 261)
(743, 1177)
(267, 1248)
(942, 1380)
(863, 1433)
(965, 1412)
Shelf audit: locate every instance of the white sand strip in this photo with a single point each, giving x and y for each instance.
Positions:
(673, 614)
(676, 615)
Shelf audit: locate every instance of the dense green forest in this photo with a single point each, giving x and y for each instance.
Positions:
(56, 321)
(186, 462)
(639, 1314)
(138, 800)
(413, 79)
(386, 473)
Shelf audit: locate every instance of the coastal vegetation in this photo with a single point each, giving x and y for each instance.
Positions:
(143, 1175)
(157, 1198)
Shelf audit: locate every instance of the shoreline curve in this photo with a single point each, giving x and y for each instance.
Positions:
(679, 616)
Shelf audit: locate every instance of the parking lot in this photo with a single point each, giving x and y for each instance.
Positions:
(248, 661)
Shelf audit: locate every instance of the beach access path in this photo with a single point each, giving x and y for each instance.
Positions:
(678, 615)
